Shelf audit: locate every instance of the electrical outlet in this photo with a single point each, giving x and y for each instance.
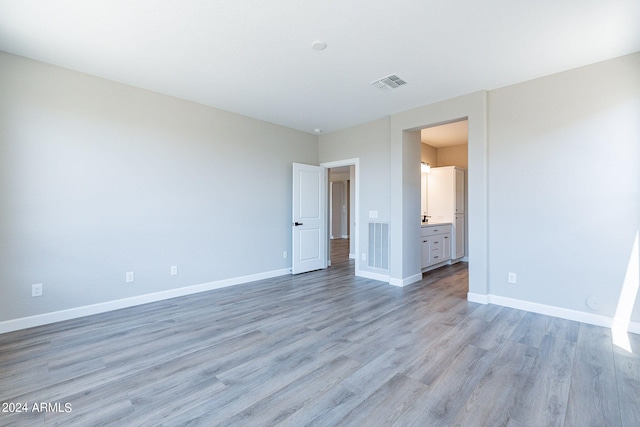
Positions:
(36, 290)
(129, 277)
(284, 254)
(174, 270)
(511, 278)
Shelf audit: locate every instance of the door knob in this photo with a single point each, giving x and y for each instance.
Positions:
(297, 223)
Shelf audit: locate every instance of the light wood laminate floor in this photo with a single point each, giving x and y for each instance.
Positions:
(322, 349)
(339, 250)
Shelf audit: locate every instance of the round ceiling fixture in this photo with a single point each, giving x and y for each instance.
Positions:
(316, 130)
(318, 45)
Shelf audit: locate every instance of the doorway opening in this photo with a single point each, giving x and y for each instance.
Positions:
(343, 211)
(445, 145)
(340, 213)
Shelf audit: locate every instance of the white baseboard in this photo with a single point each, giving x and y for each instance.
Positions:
(74, 313)
(372, 275)
(88, 310)
(406, 281)
(435, 266)
(479, 298)
(549, 310)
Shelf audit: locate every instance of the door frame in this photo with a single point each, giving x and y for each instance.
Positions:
(355, 162)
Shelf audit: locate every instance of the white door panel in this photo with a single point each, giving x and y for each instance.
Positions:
(309, 250)
(309, 245)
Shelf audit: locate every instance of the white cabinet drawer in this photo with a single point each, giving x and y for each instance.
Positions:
(432, 230)
(436, 249)
(436, 242)
(437, 256)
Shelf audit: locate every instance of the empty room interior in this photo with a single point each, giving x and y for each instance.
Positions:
(320, 213)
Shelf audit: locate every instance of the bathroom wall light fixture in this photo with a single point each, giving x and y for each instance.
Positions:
(425, 168)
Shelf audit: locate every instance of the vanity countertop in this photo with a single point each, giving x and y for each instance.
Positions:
(430, 224)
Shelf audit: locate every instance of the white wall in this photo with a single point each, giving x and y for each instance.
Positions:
(389, 151)
(553, 188)
(405, 202)
(370, 143)
(99, 178)
(564, 186)
(338, 198)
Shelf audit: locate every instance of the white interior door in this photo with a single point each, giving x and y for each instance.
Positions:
(309, 219)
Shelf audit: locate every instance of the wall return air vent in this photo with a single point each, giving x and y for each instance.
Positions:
(390, 82)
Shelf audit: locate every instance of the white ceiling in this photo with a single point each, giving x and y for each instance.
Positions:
(456, 133)
(255, 58)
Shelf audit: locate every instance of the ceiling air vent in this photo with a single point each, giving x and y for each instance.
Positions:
(390, 82)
